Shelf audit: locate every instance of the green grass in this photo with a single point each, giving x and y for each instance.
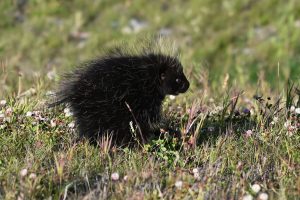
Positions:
(226, 47)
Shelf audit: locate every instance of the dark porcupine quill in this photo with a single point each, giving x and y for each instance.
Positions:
(108, 93)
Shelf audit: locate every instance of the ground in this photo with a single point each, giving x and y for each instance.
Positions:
(239, 120)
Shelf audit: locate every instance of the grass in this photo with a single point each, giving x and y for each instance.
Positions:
(231, 141)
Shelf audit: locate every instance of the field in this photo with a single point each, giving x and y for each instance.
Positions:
(240, 119)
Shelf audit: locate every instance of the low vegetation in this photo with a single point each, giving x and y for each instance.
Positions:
(239, 121)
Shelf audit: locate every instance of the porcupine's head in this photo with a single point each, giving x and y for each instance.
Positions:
(172, 78)
(161, 54)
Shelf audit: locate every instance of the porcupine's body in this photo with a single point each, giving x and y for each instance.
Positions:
(110, 92)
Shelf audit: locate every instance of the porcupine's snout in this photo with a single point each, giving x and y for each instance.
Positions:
(184, 87)
(183, 84)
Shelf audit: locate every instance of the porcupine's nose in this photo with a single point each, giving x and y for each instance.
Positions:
(184, 87)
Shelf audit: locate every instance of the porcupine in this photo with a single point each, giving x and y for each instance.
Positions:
(124, 86)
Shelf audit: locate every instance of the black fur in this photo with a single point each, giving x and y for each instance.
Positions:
(108, 93)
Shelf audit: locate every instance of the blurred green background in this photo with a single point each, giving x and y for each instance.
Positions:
(250, 40)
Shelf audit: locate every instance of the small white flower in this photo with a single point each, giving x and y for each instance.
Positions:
(172, 97)
(2, 116)
(9, 111)
(196, 173)
(125, 178)
(71, 125)
(32, 176)
(263, 196)
(292, 109)
(195, 170)
(66, 110)
(287, 124)
(115, 176)
(255, 188)
(52, 123)
(248, 133)
(248, 197)
(3, 102)
(297, 110)
(178, 184)
(23, 172)
(29, 114)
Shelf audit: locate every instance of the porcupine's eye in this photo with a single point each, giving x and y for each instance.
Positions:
(178, 80)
